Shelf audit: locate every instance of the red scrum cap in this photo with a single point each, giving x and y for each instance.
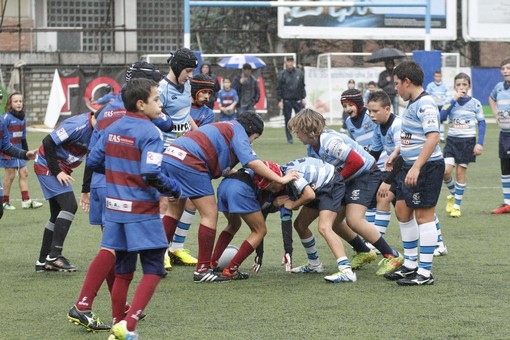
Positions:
(262, 182)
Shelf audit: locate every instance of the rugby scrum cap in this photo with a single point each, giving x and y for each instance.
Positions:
(262, 182)
(181, 59)
(252, 123)
(143, 69)
(354, 97)
(201, 82)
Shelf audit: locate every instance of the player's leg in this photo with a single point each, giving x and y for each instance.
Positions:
(460, 187)
(10, 174)
(301, 224)
(178, 254)
(258, 230)
(26, 202)
(449, 182)
(226, 236)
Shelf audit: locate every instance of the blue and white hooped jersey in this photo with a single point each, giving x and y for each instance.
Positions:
(420, 117)
(312, 171)
(334, 148)
(439, 93)
(463, 119)
(363, 135)
(177, 104)
(387, 138)
(502, 97)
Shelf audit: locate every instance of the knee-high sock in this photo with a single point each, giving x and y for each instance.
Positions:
(62, 225)
(119, 295)
(459, 194)
(505, 184)
(244, 251)
(311, 250)
(382, 221)
(450, 184)
(428, 241)
(206, 237)
(46, 241)
(169, 223)
(384, 248)
(438, 230)
(141, 299)
(99, 269)
(181, 232)
(286, 222)
(221, 244)
(410, 235)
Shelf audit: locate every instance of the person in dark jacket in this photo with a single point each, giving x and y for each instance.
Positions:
(387, 84)
(247, 88)
(206, 69)
(290, 92)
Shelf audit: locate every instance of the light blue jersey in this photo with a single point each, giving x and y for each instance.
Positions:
(177, 104)
(439, 93)
(312, 171)
(334, 148)
(501, 96)
(387, 137)
(463, 119)
(420, 117)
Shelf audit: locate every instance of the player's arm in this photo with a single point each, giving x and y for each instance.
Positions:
(494, 108)
(307, 195)
(165, 185)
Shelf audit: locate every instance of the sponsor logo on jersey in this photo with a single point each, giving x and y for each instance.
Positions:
(175, 152)
(118, 139)
(119, 205)
(154, 158)
(62, 134)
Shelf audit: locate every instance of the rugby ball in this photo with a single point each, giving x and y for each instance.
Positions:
(227, 256)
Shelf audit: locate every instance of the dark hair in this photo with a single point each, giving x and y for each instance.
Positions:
(438, 72)
(290, 58)
(247, 67)
(252, 123)
(8, 105)
(371, 83)
(462, 75)
(410, 70)
(135, 90)
(379, 96)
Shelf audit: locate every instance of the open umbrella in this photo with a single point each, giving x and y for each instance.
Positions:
(238, 60)
(385, 54)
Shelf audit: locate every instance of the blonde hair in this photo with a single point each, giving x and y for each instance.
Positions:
(308, 121)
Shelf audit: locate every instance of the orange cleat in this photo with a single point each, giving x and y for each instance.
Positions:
(503, 209)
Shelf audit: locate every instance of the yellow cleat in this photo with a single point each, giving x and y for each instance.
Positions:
(455, 212)
(449, 203)
(167, 263)
(182, 257)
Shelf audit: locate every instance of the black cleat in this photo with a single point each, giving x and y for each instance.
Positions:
(416, 280)
(60, 264)
(400, 273)
(87, 319)
(209, 276)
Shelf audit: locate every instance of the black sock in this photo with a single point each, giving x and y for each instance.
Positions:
(46, 242)
(62, 225)
(384, 247)
(358, 245)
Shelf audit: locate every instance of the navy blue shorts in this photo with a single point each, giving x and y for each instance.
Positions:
(426, 192)
(460, 149)
(362, 189)
(330, 196)
(504, 144)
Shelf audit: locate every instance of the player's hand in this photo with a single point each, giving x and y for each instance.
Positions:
(290, 176)
(280, 200)
(384, 188)
(31, 154)
(478, 149)
(64, 179)
(412, 177)
(255, 267)
(280, 105)
(85, 201)
(287, 262)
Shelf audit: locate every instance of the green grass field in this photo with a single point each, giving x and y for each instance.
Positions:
(470, 298)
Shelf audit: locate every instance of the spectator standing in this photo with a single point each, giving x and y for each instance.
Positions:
(15, 124)
(290, 92)
(227, 101)
(206, 69)
(499, 102)
(247, 88)
(371, 88)
(387, 84)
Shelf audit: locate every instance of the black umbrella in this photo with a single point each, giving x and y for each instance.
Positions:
(384, 54)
